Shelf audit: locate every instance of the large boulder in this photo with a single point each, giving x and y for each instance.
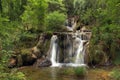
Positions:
(23, 58)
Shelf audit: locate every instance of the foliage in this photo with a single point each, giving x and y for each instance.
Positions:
(80, 71)
(5, 73)
(35, 14)
(12, 76)
(104, 41)
(9, 32)
(116, 60)
(20, 19)
(115, 74)
(12, 9)
(56, 5)
(55, 21)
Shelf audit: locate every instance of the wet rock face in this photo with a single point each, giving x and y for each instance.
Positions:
(66, 44)
(43, 45)
(42, 62)
(36, 52)
(45, 63)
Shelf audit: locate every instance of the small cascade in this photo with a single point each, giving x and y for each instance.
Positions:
(71, 50)
(54, 50)
(80, 52)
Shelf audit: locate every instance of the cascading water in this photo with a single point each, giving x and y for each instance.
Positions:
(54, 50)
(73, 51)
(80, 52)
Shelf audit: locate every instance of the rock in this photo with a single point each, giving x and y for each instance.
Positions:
(28, 60)
(12, 62)
(24, 58)
(42, 62)
(42, 46)
(45, 63)
(36, 52)
(19, 60)
(87, 57)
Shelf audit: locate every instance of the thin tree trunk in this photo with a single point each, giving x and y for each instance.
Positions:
(0, 6)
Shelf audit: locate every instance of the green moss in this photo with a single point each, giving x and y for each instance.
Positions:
(25, 51)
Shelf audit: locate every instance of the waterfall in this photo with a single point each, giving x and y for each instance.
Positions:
(80, 52)
(72, 50)
(54, 50)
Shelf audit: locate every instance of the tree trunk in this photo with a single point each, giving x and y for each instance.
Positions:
(0, 6)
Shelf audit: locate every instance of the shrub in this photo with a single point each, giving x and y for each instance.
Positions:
(12, 76)
(80, 71)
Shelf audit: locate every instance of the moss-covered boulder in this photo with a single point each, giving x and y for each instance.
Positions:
(23, 58)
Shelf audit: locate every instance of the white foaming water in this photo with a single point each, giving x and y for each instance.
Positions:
(53, 51)
(80, 52)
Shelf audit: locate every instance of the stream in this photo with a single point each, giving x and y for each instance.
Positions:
(65, 73)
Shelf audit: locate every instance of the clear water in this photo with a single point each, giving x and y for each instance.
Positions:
(50, 73)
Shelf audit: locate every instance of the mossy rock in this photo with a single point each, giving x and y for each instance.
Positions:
(25, 52)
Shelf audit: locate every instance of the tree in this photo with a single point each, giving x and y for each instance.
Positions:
(55, 21)
(35, 14)
(106, 39)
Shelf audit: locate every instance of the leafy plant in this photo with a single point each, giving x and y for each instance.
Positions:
(80, 71)
(12, 76)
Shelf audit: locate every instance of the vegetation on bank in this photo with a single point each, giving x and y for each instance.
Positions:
(80, 71)
(115, 74)
(23, 20)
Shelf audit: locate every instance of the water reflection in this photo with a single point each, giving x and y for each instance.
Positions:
(50, 73)
(53, 73)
